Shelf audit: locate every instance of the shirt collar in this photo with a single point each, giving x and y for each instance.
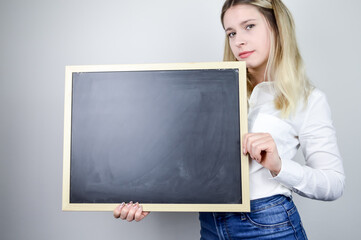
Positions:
(262, 93)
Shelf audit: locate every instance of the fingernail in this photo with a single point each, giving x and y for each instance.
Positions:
(121, 205)
(244, 150)
(135, 206)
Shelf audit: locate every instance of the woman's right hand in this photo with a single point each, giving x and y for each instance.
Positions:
(130, 212)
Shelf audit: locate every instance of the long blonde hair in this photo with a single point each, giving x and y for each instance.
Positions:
(285, 65)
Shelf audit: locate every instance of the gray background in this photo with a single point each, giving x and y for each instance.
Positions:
(38, 38)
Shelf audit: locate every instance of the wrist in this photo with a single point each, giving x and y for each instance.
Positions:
(275, 173)
(277, 170)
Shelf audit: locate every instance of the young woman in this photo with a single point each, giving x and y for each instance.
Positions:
(285, 112)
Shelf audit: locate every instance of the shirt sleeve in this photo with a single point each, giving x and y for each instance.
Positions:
(322, 177)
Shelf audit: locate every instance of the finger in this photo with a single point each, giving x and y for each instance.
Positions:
(269, 157)
(125, 210)
(246, 139)
(142, 214)
(249, 138)
(118, 210)
(244, 143)
(138, 214)
(257, 137)
(131, 213)
(258, 146)
(250, 142)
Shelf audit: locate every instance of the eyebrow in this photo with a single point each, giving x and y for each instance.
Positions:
(242, 23)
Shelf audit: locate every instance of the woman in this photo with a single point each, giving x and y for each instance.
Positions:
(285, 112)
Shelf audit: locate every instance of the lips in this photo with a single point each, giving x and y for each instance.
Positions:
(245, 54)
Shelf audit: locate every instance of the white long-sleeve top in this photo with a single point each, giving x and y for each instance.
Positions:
(322, 176)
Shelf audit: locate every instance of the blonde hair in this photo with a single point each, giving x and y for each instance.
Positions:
(285, 65)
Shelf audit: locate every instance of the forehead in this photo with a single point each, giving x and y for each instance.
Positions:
(239, 13)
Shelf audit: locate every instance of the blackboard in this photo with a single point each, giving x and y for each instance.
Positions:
(167, 136)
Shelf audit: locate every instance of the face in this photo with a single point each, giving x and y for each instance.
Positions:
(249, 35)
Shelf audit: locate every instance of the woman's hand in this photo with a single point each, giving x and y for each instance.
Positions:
(262, 148)
(130, 212)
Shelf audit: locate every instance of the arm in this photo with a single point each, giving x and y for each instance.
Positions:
(322, 177)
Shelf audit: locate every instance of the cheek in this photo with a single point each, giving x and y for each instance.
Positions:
(263, 46)
(267, 48)
(234, 50)
(267, 42)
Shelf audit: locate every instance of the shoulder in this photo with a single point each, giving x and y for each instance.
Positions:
(315, 110)
(316, 99)
(317, 106)
(315, 96)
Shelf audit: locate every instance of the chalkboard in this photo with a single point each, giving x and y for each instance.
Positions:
(167, 136)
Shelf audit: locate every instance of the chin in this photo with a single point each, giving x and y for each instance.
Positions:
(253, 66)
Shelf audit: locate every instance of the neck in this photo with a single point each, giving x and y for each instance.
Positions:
(257, 75)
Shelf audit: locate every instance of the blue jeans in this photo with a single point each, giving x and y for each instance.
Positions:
(273, 217)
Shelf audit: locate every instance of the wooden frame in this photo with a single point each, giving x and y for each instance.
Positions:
(189, 207)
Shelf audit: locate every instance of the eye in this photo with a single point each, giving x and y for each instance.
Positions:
(231, 34)
(250, 26)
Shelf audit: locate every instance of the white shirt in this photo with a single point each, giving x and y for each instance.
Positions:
(322, 176)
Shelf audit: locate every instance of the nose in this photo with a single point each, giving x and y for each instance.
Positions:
(240, 41)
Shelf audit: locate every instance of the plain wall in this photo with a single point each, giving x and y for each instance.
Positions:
(38, 38)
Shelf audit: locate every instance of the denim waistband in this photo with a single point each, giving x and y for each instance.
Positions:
(267, 202)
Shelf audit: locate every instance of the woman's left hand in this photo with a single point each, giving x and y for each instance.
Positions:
(262, 148)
